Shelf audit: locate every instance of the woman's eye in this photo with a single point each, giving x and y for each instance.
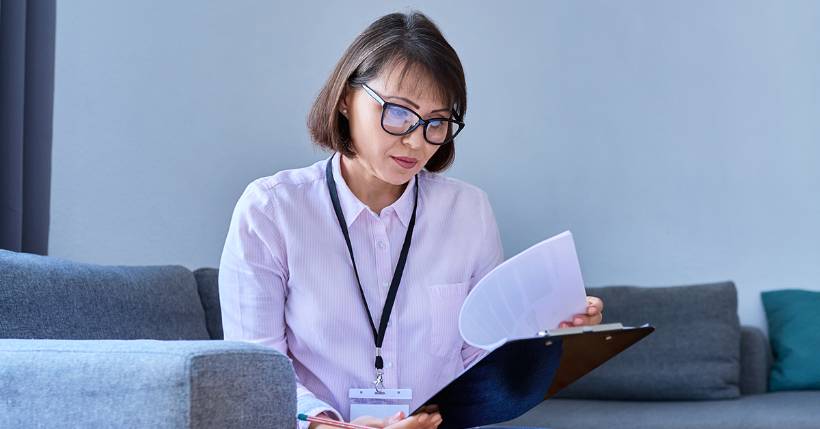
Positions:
(398, 113)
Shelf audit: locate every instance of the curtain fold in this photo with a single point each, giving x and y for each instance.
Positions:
(27, 30)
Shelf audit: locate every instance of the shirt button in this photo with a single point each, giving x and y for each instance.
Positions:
(381, 245)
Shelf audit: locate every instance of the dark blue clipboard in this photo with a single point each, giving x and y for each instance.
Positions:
(518, 375)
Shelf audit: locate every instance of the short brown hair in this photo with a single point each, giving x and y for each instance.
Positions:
(408, 39)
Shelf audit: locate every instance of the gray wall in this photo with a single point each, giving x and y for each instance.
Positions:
(678, 141)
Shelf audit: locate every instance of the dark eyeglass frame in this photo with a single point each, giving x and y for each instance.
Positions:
(421, 121)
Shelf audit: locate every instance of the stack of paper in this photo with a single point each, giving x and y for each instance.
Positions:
(533, 291)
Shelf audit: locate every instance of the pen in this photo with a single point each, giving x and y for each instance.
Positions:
(330, 422)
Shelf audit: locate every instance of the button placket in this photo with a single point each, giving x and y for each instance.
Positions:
(382, 255)
(381, 239)
(381, 245)
(382, 276)
(389, 353)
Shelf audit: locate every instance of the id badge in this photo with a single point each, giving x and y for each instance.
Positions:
(366, 402)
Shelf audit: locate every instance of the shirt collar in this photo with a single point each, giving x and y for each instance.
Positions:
(352, 207)
(404, 205)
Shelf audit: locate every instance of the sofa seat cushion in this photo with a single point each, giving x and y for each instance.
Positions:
(47, 297)
(793, 410)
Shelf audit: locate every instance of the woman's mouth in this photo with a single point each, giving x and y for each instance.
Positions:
(405, 162)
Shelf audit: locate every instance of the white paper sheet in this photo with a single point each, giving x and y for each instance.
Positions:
(534, 290)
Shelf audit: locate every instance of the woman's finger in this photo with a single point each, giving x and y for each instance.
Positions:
(596, 319)
(411, 422)
(429, 408)
(430, 423)
(436, 420)
(594, 301)
(583, 320)
(373, 422)
(394, 418)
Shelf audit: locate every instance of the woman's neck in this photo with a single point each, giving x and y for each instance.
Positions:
(369, 189)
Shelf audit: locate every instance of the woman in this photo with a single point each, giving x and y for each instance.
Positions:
(356, 266)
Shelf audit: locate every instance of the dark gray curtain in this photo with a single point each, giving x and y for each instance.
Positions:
(26, 104)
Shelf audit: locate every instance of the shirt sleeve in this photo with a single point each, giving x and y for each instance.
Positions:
(491, 254)
(252, 286)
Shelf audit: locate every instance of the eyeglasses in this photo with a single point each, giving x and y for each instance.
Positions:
(399, 120)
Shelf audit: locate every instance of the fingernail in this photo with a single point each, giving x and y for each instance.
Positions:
(577, 321)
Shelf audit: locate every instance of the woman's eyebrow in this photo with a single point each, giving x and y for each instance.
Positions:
(415, 106)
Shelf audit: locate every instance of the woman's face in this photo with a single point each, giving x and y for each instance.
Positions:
(393, 159)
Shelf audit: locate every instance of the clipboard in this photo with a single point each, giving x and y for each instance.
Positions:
(519, 374)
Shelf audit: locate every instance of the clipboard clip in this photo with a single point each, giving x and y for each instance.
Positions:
(580, 329)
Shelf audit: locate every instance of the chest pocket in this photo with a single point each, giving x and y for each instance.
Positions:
(445, 302)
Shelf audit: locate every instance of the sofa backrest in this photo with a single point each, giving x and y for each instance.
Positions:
(207, 280)
(699, 350)
(48, 297)
(755, 361)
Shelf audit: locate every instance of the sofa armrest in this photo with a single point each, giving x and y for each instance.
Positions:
(755, 361)
(144, 384)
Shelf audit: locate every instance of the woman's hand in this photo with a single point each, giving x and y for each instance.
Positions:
(419, 420)
(593, 316)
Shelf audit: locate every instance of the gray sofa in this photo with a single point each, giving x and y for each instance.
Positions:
(84, 345)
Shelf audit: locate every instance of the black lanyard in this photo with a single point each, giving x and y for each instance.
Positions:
(378, 336)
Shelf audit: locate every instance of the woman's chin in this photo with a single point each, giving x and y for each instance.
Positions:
(395, 180)
(398, 176)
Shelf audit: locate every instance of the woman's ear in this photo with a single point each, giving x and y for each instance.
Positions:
(344, 102)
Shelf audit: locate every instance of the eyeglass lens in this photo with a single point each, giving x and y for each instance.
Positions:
(398, 120)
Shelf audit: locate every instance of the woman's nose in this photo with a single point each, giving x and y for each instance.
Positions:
(415, 138)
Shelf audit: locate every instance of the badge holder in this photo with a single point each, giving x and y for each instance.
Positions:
(381, 403)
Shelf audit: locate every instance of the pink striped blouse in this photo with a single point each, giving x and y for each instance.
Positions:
(286, 281)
